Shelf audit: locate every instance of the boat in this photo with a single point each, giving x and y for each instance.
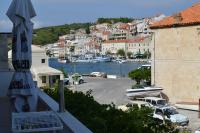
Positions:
(102, 59)
(148, 66)
(120, 61)
(143, 92)
(85, 60)
(62, 61)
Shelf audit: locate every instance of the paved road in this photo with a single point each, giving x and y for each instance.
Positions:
(193, 117)
(106, 91)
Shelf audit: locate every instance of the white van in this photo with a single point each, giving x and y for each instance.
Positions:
(154, 101)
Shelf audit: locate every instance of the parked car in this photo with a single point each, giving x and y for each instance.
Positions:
(77, 78)
(197, 130)
(98, 74)
(154, 101)
(73, 79)
(169, 113)
(139, 104)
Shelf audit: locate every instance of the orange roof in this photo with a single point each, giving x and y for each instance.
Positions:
(190, 16)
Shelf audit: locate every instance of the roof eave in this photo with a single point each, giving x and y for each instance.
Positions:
(174, 25)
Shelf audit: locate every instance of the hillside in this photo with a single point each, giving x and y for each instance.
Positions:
(114, 20)
(48, 35)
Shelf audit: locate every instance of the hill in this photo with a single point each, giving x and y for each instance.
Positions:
(51, 34)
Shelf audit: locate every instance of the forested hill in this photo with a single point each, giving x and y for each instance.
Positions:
(114, 20)
(51, 34)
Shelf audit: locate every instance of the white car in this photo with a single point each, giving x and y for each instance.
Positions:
(169, 113)
(98, 74)
(198, 130)
(74, 79)
(140, 104)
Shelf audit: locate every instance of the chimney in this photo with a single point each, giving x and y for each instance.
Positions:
(177, 17)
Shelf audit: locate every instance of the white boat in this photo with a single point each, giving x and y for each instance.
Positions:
(62, 61)
(84, 60)
(102, 59)
(143, 92)
(120, 61)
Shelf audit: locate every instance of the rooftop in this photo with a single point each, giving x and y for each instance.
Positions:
(134, 40)
(187, 17)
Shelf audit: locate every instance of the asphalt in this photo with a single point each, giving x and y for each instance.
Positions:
(106, 91)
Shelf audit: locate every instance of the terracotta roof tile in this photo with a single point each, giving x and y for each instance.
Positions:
(190, 16)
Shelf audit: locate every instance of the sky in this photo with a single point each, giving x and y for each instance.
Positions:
(58, 12)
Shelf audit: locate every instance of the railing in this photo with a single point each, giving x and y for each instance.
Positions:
(71, 124)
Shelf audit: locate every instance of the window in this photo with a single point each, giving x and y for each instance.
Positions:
(149, 101)
(153, 102)
(44, 79)
(43, 60)
(159, 111)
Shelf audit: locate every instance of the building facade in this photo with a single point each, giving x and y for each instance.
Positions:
(135, 46)
(176, 55)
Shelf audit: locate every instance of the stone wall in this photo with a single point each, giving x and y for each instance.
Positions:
(176, 62)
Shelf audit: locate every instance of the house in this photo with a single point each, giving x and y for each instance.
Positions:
(42, 73)
(176, 55)
(134, 45)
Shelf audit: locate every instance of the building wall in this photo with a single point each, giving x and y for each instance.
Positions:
(176, 64)
(37, 59)
(113, 47)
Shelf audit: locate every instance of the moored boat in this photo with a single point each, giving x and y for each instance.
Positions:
(143, 92)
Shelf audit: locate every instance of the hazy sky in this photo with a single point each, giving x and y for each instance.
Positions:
(57, 12)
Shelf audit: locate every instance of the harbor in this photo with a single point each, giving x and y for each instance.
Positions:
(112, 68)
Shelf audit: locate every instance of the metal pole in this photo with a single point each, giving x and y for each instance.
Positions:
(61, 96)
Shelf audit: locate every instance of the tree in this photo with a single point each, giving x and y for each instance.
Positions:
(108, 52)
(121, 52)
(87, 30)
(129, 54)
(147, 55)
(141, 74)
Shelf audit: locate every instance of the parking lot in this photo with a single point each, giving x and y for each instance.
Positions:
(106, 91)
